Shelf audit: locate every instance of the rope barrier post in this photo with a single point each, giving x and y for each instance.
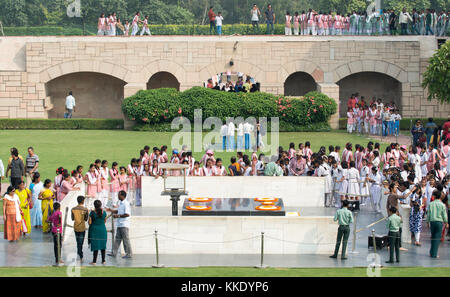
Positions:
(354, 235)
(262, 266)
(373, 241)
(157, 252)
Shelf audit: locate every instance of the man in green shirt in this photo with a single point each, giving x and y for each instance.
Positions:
(436, 218)
(344, 217)
(394, 222)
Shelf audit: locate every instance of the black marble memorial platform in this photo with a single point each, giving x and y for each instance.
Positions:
(231, 207)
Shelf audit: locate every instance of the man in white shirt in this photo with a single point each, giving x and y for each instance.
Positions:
(223, 133)
(248, 129)
(122, 214)
(70, 106)
(403, 21)
(230, 136)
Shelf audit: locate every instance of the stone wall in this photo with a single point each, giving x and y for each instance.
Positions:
(24, 85)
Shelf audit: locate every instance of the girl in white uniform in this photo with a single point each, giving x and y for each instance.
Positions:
(365, 171)
(101, 25)
(325, 171)
(353, 178)
(343, 189)
(375, 189)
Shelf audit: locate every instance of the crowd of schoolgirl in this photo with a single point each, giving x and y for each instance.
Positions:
(375, 118)
(382, 22)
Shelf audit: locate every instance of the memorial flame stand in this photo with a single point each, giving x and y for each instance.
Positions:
(174, 183)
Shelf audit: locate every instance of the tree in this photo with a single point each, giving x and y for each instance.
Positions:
(437, 75)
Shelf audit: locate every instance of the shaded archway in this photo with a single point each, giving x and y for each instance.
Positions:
(298, 84)
(163, 79)
(97, 95)
(369, 85)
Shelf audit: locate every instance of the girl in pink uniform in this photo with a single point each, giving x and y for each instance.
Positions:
(303, 23)
(219, 169)
(296, 23)
(373, 119)
(123, 180)
(91, 180)
(350, 120)
(197, 171)
(131, 181)
(79, 174)
(155, 171)
(58, 181)
(115, 184)
(326, 29)
(208, 169)
(98, 164)
(139, 171)
(319, 22)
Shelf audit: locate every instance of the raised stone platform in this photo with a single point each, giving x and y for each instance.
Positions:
(296, 191)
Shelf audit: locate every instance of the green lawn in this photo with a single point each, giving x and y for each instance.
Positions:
(69, 148)
(224, 272)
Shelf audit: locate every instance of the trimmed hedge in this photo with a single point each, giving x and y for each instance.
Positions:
(63, 124)
(163, 105)
(241, 29)
(404, 123)
(44, 31)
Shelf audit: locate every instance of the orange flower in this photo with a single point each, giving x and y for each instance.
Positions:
(179, 110)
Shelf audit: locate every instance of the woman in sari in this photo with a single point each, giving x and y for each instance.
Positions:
(36, 212)
(46, 196)
(24, 195)
(12, 216)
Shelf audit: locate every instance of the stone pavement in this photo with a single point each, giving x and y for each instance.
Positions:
(37, 250)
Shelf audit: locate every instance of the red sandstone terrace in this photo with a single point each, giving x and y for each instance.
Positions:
(37, 72)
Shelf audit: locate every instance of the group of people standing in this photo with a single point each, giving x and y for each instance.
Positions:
(383, 22)
(377, 118)
(108, 25)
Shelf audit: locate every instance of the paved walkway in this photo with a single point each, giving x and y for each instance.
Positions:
(37, 250)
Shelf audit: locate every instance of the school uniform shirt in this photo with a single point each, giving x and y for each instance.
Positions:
(219, 171)
(394, 222)
(207, 171)
(248, 128)
(343, 216)
(336, 156)
(248, 171)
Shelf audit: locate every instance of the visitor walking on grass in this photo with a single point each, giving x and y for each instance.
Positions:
(122, 214)
(16, 167)
(32, 164)
(97, 235)
(70, 106)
